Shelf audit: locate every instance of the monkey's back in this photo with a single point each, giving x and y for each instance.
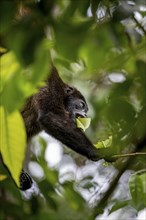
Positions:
(30, 118)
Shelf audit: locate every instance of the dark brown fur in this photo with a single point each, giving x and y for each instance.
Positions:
(47, 111)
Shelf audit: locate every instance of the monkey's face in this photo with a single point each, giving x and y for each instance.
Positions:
(79, 108)
(76, 105)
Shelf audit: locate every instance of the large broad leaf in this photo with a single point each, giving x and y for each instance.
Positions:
(13, 142)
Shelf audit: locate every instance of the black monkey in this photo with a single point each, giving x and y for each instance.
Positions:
(54, 109)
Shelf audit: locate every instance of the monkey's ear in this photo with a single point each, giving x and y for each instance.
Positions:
(69, 90)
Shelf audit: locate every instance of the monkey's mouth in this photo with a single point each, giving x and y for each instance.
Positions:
(80, 115)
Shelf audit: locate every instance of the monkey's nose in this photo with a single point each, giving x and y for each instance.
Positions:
(85, 115)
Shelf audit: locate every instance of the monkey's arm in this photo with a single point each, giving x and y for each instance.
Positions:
(67, 132)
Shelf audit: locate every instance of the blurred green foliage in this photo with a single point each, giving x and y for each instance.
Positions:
(87, 40)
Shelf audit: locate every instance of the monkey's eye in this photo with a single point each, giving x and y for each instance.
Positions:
(82, 104)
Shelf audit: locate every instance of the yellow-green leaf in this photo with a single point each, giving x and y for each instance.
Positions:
(13, 142)
(83, 123)
(104, 144)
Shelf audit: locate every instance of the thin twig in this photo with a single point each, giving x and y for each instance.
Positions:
(130, 154)
(139, 25)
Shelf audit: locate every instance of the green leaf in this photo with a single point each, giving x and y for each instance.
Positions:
(106, 150)
(97, 42)
(119, 204)
(143, 179)
(47, 189)
(121, 115)
(137, 190)
(73, 197)
(17, 84)
(70, 36)
(13, 142)
(7, 13)
(9, 67)
(40, 67)
(83, 123)
(24, 37)
(12, 82)
(104, 144)
(140, 124)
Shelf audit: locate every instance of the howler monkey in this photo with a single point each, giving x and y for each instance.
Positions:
(54, 109)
